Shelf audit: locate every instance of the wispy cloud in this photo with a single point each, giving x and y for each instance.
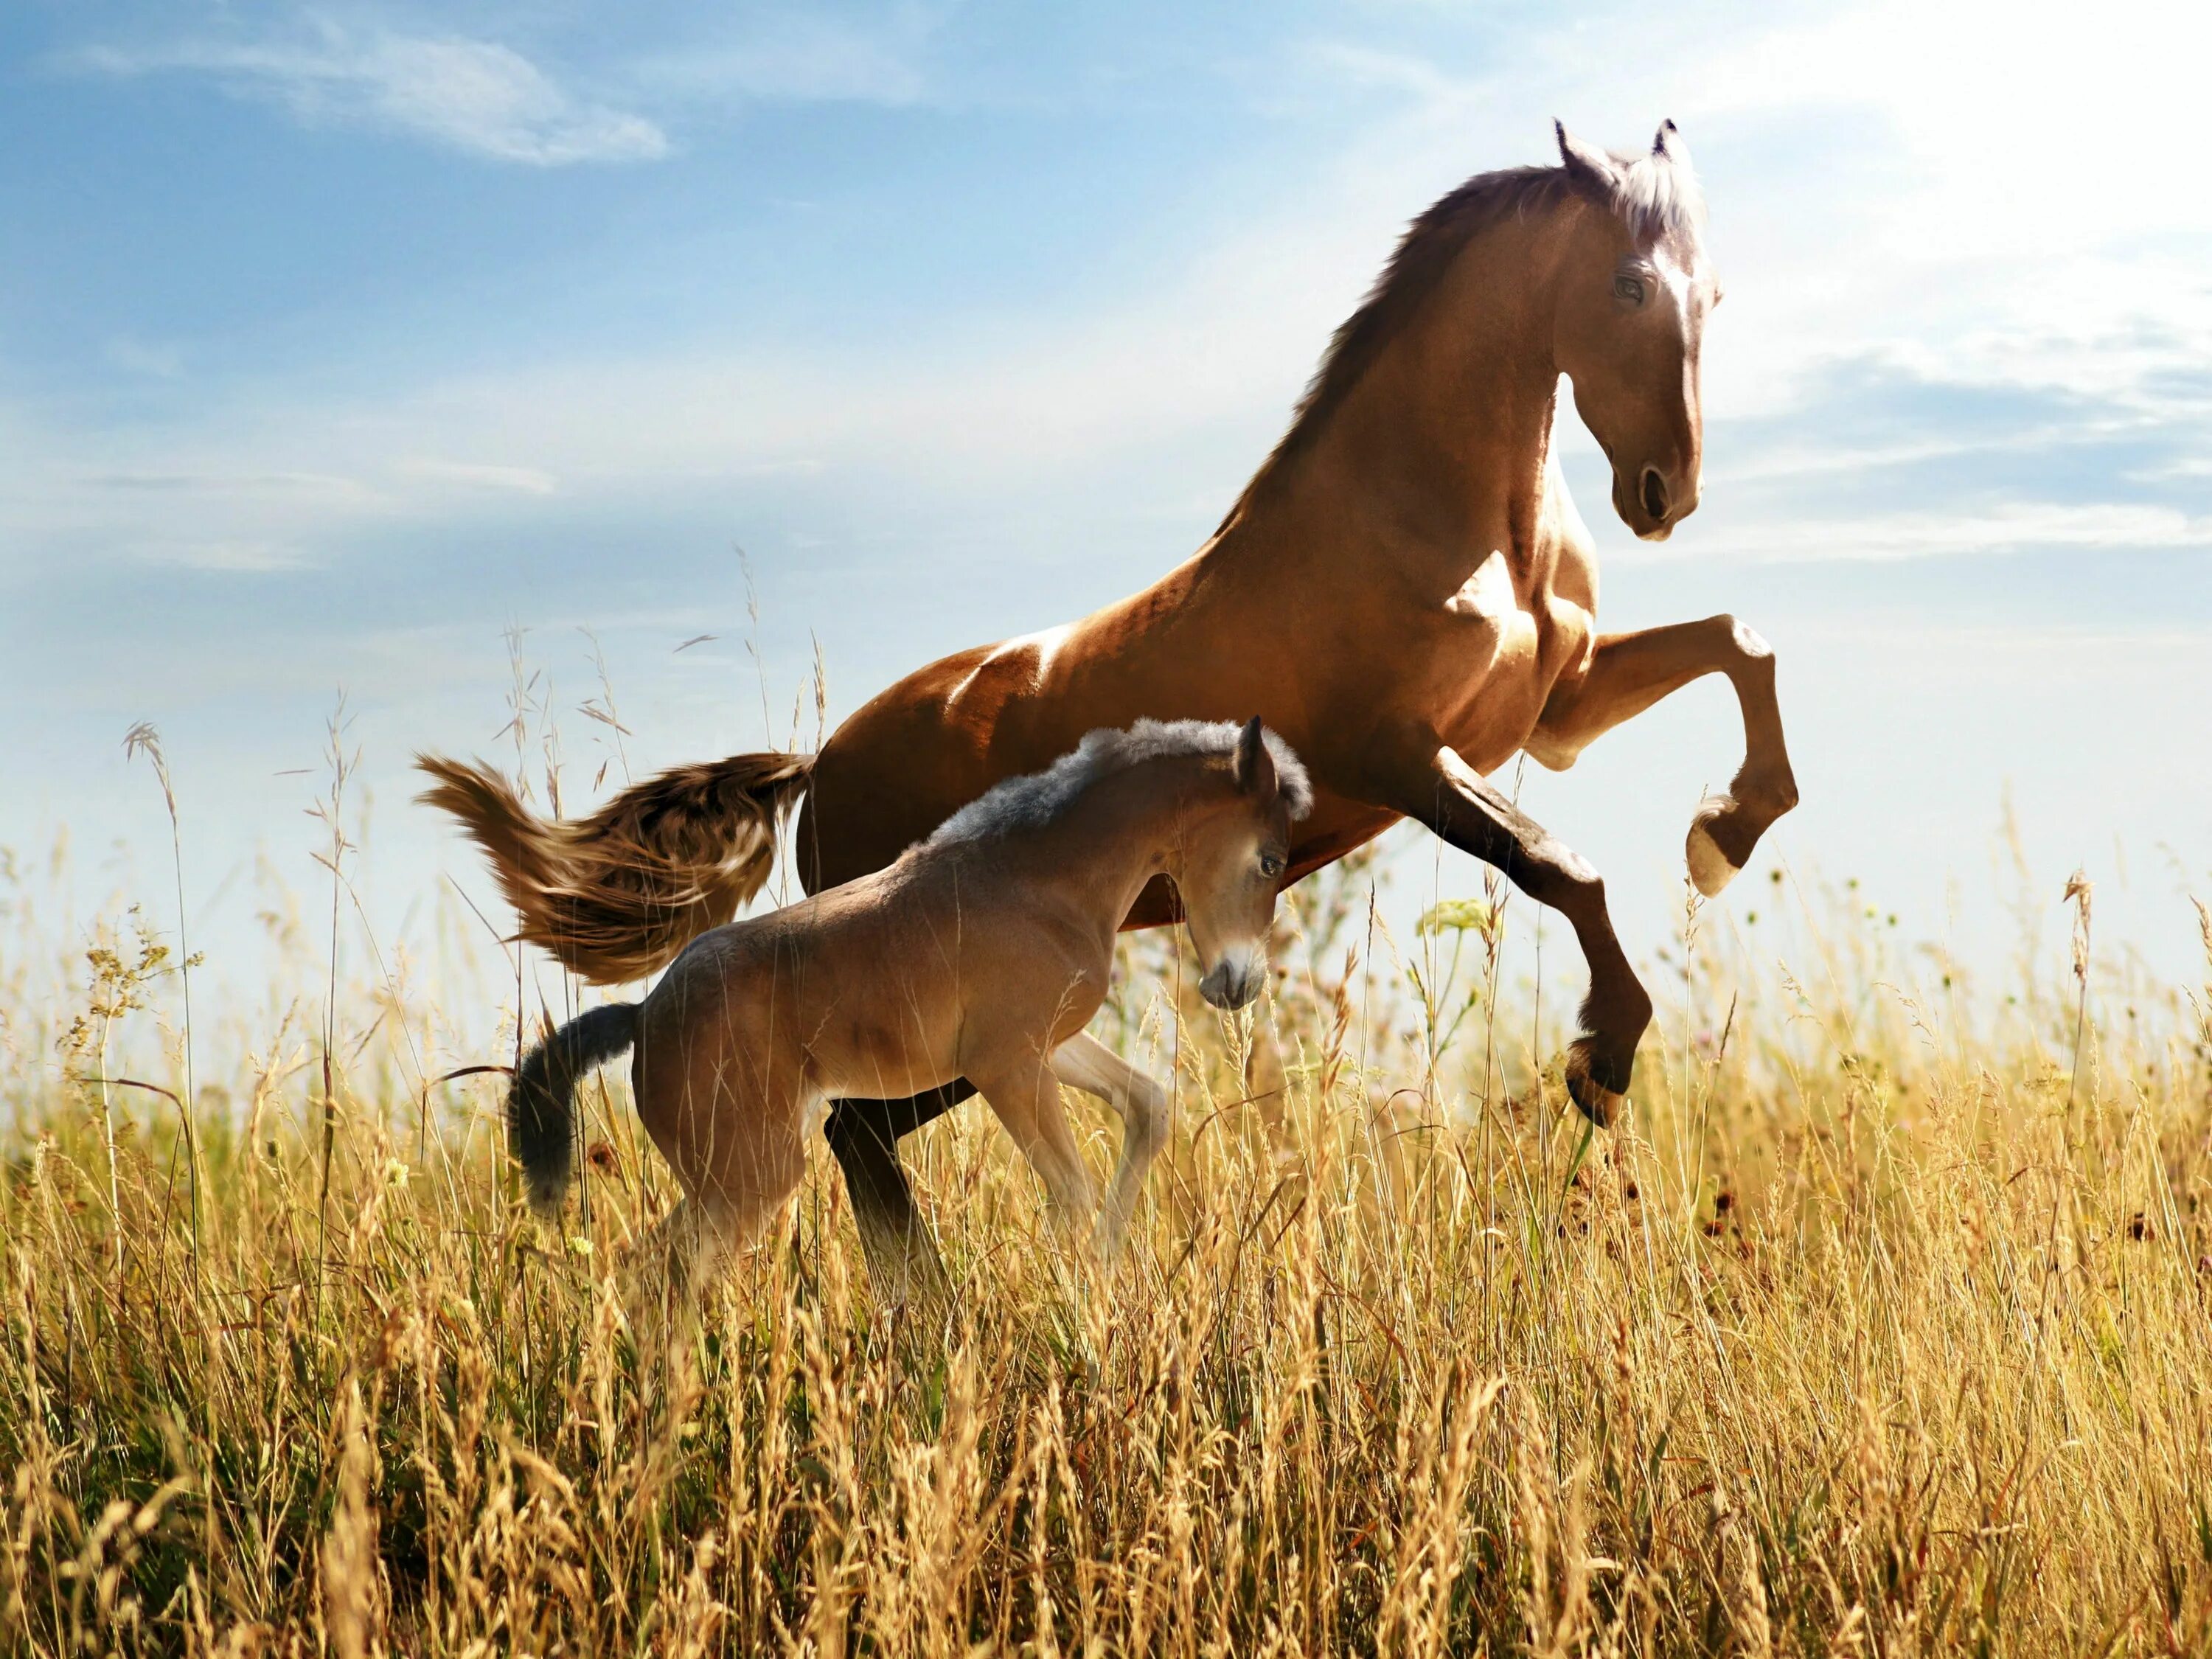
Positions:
(157, 362)
(1873, 394)
(478, 475)
(2029, 527)
(1967, 313)
(236, 558)
(322, 489)
(476, 96)
(796, 56)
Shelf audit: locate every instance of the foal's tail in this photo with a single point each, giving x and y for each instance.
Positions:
(541, 1107)
(614, 895)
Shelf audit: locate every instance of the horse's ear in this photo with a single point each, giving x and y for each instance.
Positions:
(1663, 145)
(1592, 170)
(1254, 768)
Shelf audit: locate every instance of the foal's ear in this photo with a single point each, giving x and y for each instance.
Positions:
(1254, 767)
(1592, 170)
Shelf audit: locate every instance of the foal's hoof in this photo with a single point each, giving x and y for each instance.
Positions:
(1711, 869)
(1595, 1084)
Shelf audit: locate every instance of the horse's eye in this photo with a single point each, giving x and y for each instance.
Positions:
(1628, 287)
(1270, 865)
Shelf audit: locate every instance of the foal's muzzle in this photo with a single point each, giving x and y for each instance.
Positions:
(1235, 980)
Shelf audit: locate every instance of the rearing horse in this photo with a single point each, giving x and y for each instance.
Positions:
(1404, 591)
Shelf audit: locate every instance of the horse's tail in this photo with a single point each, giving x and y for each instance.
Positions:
(614, 895)
(541, 1106)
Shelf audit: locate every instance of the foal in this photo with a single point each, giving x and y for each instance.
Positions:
(981, 953)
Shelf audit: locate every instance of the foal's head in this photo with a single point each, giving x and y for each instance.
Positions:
(1634, 290)
(1228, 865)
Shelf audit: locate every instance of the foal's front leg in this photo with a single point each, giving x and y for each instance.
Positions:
(1024, 1094)
(1147, 1113)
(1628, 673)
(1419, 777)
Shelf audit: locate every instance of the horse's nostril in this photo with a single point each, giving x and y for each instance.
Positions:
(1655, 493)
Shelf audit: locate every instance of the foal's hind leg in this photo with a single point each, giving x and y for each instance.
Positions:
(740, 1159)
(668, 1270)
(668, 1258)
(1147, 1113)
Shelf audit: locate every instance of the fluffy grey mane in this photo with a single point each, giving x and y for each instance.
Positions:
(1032, 802)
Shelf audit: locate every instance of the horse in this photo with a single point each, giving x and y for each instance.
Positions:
(1404, 590)
(980, 953)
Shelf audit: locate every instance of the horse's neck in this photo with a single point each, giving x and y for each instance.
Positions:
(1438, 455)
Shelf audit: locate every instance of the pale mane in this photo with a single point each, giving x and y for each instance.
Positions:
(1038, 799)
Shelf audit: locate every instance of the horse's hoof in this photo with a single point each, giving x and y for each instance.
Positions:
(1711, 869)
(1587, 1080)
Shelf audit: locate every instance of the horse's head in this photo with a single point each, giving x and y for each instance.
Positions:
(1229, 865)
(1634, 290)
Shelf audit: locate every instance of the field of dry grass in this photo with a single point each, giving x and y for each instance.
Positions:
(1884, 1327)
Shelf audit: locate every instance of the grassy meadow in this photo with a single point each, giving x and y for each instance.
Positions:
(1883, 1327)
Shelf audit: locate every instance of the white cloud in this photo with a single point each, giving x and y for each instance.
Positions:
(1216, 347)
(476, 96)
(1999, 186)
(320, 487)
(1994, 199)
(2010, 528)
(795, 56)
(2194, 466)
(156, 363)
(517, 480)
(244, 558)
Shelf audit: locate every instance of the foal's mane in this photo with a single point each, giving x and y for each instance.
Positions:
(1036, 799)
(1658, 194)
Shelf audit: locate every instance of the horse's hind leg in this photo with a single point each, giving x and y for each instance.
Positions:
(1628, 673)
(1147, 1113)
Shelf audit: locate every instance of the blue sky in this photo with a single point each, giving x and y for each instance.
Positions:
(336, 341)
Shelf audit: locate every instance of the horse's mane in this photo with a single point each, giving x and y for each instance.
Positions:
(1036, 799)
(1658, 194)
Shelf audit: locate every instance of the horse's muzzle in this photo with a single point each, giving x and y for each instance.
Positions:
(1661, 501)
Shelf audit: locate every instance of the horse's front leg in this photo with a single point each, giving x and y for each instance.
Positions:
(1628, 673)
(1422, 778)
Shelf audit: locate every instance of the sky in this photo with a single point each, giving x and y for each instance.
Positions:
(342, 345)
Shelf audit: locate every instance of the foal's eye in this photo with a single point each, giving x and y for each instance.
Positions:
(1628, 287)
(1270, 865)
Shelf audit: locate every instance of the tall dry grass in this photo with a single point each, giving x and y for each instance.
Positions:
(1877, 1330)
